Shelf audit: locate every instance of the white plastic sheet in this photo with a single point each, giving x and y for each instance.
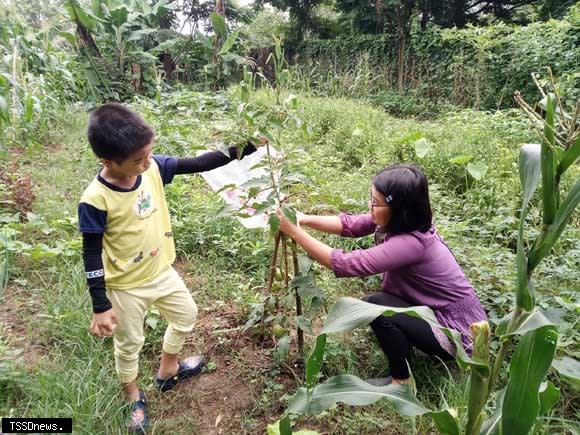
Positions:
(238, 172)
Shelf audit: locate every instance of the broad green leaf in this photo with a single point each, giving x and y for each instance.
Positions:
(307, 289)
(350, 313)
(304, 324)
(461, 159)
(530, 171)
(266, 134)
(137, 35)
(568, 367)
(445, 422)
(77, 13)
(164, 46)
(304, 263)
(528, 367)
(548, 168)
(281, 427)
(314, 361)
(422, 147)
(219, 25)
(563, 215)
(549, 395)
(285, 427)
(229, 42)
(70, 37)
(528, 322)
(274, 224)
(493, 424)
(353, 391)
(296, 178)
(312, 293)
(290, 213)
(570, 156)
(477, 170)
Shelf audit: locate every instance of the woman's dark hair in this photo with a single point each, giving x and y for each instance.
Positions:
(406, 191)
(115, 132)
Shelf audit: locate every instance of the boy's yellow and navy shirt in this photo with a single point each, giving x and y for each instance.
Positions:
(137, 237)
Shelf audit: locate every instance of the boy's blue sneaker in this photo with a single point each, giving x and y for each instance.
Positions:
(187, 368)
(139, 419)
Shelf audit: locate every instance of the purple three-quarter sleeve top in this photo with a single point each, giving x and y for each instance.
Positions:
(418, 267)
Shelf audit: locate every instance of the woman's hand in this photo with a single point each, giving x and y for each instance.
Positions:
(286, 226)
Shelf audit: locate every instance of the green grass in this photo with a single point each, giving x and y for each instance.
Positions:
(226, 265)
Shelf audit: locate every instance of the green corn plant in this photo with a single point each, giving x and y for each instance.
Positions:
(527, 395)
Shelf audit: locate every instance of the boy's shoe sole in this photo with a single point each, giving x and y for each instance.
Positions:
(188, 368)
(137, 424)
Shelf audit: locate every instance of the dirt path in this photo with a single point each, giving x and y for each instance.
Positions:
(239, 394)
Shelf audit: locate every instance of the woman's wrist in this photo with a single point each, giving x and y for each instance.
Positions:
(304, 219)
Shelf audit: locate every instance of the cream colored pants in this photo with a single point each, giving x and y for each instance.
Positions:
(169, 295)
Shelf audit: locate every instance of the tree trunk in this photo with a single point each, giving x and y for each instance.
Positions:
(136, 77)
(459, 13)
(401, 51)
(168, 65)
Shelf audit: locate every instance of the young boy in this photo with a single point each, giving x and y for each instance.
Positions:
(128, 248)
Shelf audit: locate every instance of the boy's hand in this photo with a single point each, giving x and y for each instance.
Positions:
(263, 141)
(103, 324)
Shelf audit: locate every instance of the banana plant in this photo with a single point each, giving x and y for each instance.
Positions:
(527, 394)
(223, 60)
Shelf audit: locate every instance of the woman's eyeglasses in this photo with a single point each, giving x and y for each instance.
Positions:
(374, 204)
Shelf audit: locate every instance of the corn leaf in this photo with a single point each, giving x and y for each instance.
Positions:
(354, 391)
(528, 367)
(445, 422)
(350, 313)
(530, 171)
(314, 361)
(549, 395)
(570, 156)
(557, 228)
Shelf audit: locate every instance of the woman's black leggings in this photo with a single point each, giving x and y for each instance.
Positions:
(396, 334)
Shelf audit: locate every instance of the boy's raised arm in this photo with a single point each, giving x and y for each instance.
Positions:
(211, 160)
(171, 166)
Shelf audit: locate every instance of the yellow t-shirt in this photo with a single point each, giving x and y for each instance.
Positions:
(137, 237)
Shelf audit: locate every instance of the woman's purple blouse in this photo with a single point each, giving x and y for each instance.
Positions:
(418, 267)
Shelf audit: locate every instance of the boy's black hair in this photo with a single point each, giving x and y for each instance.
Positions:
(115, 132)
(405, 190)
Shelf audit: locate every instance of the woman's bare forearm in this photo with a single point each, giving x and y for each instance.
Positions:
(313, 247)
(326, 224)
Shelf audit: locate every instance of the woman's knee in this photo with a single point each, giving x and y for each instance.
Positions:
(373, 298)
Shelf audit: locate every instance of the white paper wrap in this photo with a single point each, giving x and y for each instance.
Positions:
(238, 172)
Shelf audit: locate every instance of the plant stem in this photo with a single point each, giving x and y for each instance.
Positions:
(299, 332)
(273, 262)
(503, 348)
(274, 185)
